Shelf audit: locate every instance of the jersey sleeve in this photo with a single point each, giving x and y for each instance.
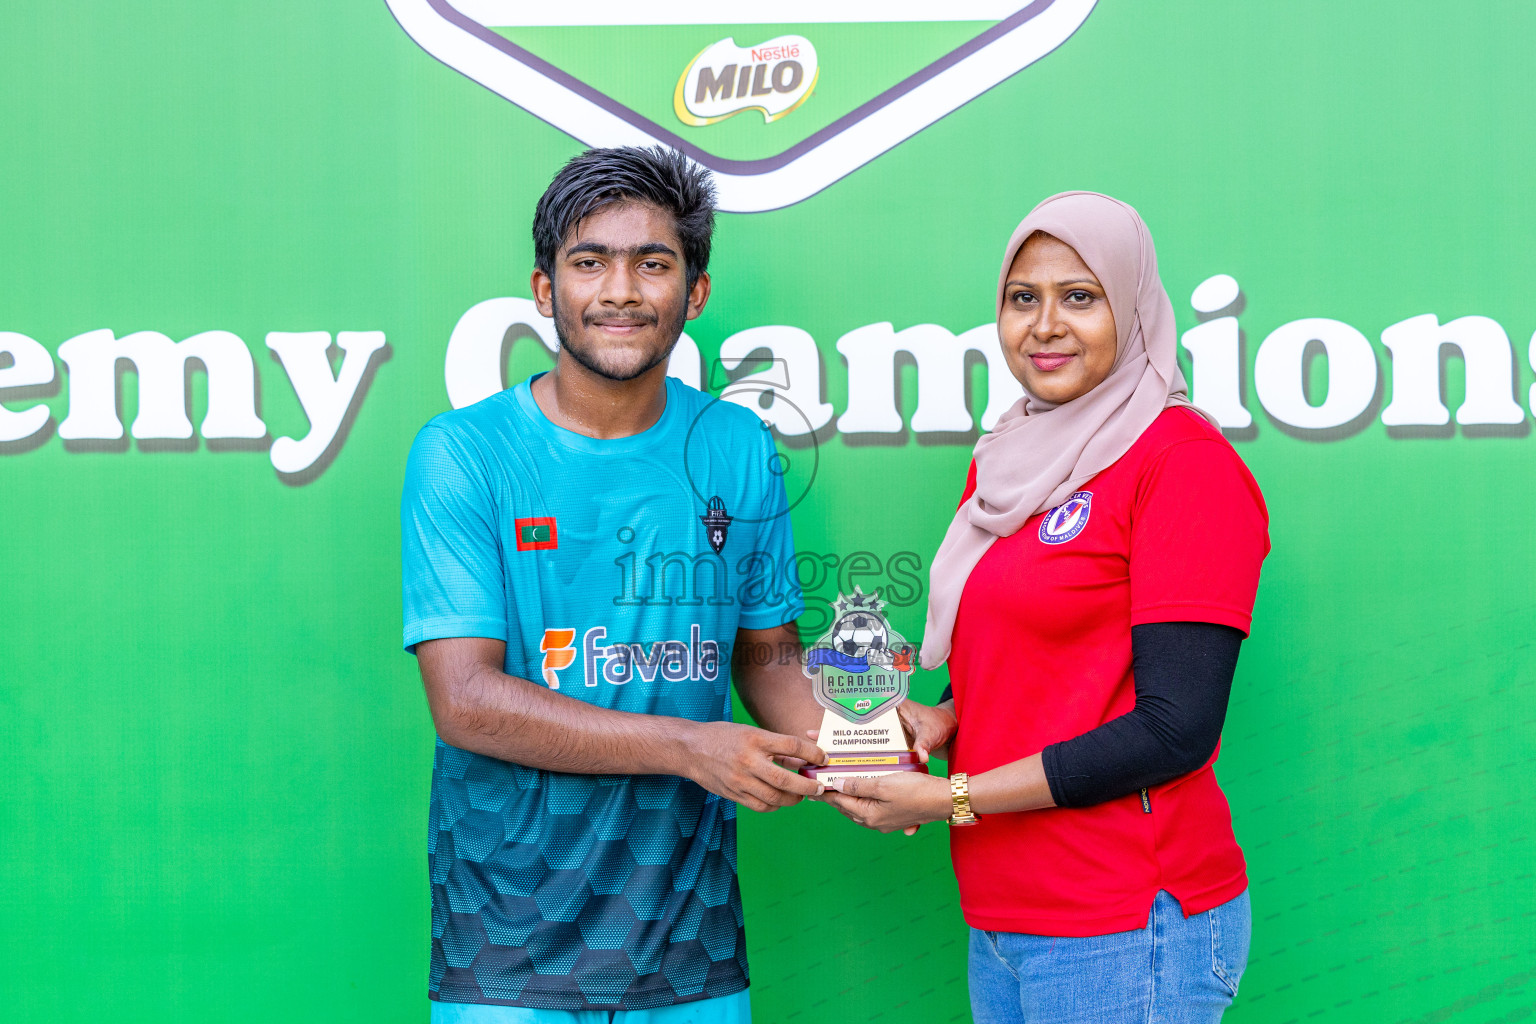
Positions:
(450, 560)
(775, 543)
(1199, 532)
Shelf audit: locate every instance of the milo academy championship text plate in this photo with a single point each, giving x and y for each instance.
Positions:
(859, 673)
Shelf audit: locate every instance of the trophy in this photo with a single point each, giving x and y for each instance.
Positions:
(859, 673)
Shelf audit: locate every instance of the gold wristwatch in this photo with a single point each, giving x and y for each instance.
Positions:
(960, 795)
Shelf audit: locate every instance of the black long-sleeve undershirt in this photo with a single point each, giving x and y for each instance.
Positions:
(1183, 673)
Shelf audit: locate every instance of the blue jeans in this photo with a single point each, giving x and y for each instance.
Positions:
(1176, 970)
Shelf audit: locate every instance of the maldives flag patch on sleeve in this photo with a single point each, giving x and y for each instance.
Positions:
(536, 534)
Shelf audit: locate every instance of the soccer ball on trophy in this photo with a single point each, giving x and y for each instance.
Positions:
(859, 632)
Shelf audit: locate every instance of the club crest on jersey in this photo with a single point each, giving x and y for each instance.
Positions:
(716, 523)
(1066, 520)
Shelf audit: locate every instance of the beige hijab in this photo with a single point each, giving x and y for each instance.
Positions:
(1039, 453)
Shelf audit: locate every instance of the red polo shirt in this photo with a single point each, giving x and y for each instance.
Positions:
(1174, 531)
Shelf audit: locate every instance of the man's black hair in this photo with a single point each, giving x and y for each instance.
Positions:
(600, 177)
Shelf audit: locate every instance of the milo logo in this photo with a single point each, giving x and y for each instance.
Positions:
(774, 77)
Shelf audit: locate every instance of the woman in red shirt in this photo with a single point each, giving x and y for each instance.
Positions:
(1090, 597)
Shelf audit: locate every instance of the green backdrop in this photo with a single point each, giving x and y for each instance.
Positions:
(217, 758)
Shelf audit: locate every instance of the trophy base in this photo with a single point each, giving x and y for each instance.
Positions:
(864, 766)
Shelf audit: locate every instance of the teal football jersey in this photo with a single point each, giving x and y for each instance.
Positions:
(618, 572)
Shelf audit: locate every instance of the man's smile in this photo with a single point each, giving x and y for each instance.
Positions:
(621, 326)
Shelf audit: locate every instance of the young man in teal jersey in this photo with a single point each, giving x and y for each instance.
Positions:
(591, 558)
